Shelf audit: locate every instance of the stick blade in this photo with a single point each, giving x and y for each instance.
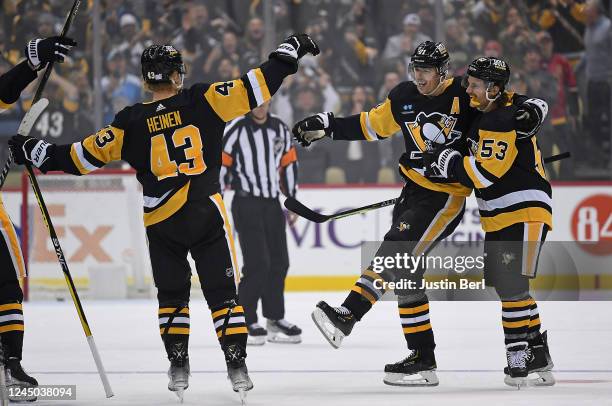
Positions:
(303, 211)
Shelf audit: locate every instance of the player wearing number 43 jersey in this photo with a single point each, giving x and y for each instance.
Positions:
(174, 143)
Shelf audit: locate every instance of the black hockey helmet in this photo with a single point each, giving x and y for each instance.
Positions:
(159, 61)
(430, 54)
(492, 70)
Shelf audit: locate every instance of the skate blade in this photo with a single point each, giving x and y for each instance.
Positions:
(258, 340)
(242, 394)
(179, 394)
(423, 378)
(541, 378)
(321, 321)
(281, 338)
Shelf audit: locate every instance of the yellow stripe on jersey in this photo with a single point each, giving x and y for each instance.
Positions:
(476, 177)
(261, 80)
(229, 237)
(104, 146)
(529, 214)
(231, 99)
(496, 151)
(438, 225)
(378, 122)
(7, 232)
(455, 189)
(169, 208)
(5, 106)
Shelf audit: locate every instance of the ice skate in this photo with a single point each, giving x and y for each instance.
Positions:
(17, 378)
(334, 323)
(539, 365)
(418, 369)
(257, 334)
(517, 355)
(237, 371)
(179, 371)
(281, 331)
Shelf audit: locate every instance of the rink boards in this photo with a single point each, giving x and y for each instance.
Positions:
(101, 230)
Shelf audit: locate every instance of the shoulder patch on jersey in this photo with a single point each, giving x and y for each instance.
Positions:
(403, 91)
(499, 120)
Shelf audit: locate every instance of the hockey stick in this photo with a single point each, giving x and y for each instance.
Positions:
(47, 219)
(40, 88)
(301, 210)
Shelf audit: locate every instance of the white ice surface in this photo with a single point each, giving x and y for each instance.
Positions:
(469, 353)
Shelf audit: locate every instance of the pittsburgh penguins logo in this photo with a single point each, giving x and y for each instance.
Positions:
(433, 129)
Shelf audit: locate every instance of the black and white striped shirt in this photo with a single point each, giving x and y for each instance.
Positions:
(260, 159)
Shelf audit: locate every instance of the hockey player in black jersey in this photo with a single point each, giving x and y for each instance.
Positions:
(431, 111)
(515, 201)
(39, 52)
(174, 143)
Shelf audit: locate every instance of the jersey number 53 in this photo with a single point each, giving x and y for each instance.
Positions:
(190, 162)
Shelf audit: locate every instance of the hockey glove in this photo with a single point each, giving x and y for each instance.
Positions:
(42, 51)
(529, 117)
(438, 163)
(31, 150)
(294, 48)
(313, 128)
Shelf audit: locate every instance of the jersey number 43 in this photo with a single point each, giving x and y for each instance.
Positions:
(190, 162)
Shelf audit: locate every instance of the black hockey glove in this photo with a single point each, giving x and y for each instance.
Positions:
(438, 163)
(294, 48)
(42, 51)
(313, 128)
(529, 117)
(31, 150)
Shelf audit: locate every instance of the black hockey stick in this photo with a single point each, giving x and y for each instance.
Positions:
(41, 85)
(557, 157)
(47, 219)
(301, 210)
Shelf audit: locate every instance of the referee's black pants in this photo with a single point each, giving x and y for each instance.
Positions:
(260, 224)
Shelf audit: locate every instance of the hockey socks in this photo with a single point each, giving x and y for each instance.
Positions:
(416, 324)
(366, 291)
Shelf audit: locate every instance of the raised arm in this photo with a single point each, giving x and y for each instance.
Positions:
(237, 97)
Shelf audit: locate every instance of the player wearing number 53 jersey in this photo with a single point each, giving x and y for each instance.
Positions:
(515, 202)
(174, 143)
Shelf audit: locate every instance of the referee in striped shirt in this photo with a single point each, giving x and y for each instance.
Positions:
(260, 162)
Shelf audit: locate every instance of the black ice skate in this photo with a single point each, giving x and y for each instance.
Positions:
(281, 331)
(418, 369)
(539, 364)
(517, 355)
(17, 378)
(257, 334)
(334, 323)
(237, 371)
(179, 370)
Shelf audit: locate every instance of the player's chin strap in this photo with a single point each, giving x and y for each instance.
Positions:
(179, 85)
(440, 82)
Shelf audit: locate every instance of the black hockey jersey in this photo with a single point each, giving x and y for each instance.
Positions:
(507, 173)
(13, 82)
(426, 122)
(174, 144)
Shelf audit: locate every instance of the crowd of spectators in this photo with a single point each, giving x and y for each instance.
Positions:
(559, 50)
